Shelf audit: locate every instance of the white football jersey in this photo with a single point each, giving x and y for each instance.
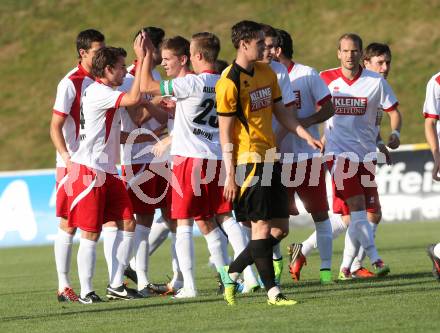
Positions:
(283, 81)
(100, 148)
(431, 107)
(309, 91)
(68, 104)
(353, 128)
(195, 132)
(137, 153)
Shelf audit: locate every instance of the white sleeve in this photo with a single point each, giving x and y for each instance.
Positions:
(387, 100)
(66, 94)
(431, 107)
(181, 87)
(286, 87)
(319, 89)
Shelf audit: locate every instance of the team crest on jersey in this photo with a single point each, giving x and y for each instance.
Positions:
(260, 98)
(351, 106)
(297, 94)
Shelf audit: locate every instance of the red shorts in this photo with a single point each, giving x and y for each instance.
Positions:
(308, 179)
(196, 200)
(61, 206)
(96, 198)
(149, 195)
(361, 183)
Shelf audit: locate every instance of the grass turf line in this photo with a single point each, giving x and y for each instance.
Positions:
(405, 301)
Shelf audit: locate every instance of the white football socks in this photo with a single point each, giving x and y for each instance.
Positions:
(338, 227)
(185, 255)
(109, 237)
(324, 240)
(177, 280)
(359, 259)
(86, 259)
(239, 241)
(359, 233)
(123, 252)
(158, 234)
(214, 242)
(437, 250)
(63, 257)
(141, 254)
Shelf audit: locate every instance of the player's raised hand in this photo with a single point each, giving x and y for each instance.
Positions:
(139, 46)
(394, 140)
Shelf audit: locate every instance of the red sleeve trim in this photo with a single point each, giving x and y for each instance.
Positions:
(324, 100)
(392, 107)
(434, 116)
(61, 114)
(118, 101)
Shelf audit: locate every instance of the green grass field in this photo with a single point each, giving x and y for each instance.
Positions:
(405, 301)
(37, 49)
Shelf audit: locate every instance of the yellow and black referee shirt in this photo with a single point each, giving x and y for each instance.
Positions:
(250, 97)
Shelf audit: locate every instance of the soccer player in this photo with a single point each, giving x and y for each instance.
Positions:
(175, 62)
(247, 94)
(431, 111)
(271, 41)
(196, 151)
(66, 131)
(149, 195)
(377, 58)
(306, 163)
(350, 136)
(96, 194)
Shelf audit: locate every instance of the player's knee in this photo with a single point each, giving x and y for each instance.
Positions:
(375, 217)
(356, 203)
(320, 217)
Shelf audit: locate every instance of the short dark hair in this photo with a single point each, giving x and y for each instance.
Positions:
(375, 50)
(354, 37)
(286, 43)
(85, 39)
(220, 65)
(270, 31)
(155, 34)
(244, 30)
(178, 44)
(107, 56)
(208, 45)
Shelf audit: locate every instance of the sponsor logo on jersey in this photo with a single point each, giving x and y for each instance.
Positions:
(351, 106)
(260, 98)
(297, 94)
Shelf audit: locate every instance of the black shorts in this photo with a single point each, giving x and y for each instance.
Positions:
(260, 197)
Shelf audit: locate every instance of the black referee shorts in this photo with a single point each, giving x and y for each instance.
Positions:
(261, 196)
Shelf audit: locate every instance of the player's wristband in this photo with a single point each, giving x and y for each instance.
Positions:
(396, 133)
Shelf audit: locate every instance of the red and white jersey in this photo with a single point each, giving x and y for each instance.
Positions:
(130, 156)
(284, 82)
(68, 104)
(100, 148)
(431, 107)
(309, 91)
(356, 102)
(195, 132)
